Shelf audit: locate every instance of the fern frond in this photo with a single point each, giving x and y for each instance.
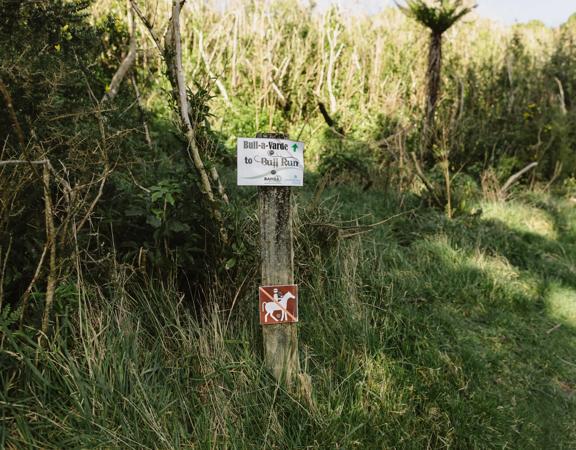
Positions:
(438, 18)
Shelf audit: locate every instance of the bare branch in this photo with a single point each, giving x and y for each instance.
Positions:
(103, 179)
(561, 96)
(22, 162)
(126, 64)
(26, 296)
(4, 258)
(142, 112)
(514, 178)
(146, 24)
(173, 55)
(427, 183)
(15, 123)
(216, 79)
(51, 243)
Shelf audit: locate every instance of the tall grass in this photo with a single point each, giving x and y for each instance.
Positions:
(268, 52)
(269, 65)
(425, 333)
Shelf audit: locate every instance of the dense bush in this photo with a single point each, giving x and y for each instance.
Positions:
(431, 316)
(116, 196)
(508, 100)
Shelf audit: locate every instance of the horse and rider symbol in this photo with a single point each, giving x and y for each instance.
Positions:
(278, 304)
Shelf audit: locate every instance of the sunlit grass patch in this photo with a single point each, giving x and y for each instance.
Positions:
(429, 334)
(496, 265)
(474, 279)
(505, 278)
(379, 386)
(561, 304)
(521, 217)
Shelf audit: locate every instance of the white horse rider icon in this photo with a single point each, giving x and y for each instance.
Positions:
(278, 304)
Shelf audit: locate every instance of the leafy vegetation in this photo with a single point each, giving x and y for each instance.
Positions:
(438, 286)
(426, 332)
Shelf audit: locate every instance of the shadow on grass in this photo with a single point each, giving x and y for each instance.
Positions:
(424, 333)
(448, 334)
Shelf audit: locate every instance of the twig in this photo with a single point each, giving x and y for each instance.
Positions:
(138, 184)
(220, 186)
(347, 232)
(26, 296)
(212, 75)
(15, 123)
(4, 145)
(361, 229)
(107, 172)
(330, 121)
(514, 178)
(46, 162)
(77, 114)
(142, 112)
(22, 161)
(566, 362)
(555, 175)
(147, 24)
(278, 92)
(4, 258)
(382, 222)
(51, 242)
(425, 180)
(126, 64)
(561, 96)
(250, 273)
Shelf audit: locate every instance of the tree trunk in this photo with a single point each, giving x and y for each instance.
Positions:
(432, 93)
(173, 57)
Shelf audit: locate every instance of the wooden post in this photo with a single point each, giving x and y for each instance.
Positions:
(277, 254)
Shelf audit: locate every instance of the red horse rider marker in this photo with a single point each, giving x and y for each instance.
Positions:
(278, 304)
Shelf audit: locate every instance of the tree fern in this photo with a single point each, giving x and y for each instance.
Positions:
(438, 16)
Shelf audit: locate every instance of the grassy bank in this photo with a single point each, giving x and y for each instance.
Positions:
(424, 333)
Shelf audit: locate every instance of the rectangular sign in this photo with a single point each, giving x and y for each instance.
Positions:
(278, 304)
(270, 162)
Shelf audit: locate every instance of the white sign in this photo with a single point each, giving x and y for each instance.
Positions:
(270, 162)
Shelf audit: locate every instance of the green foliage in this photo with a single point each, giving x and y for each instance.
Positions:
(521, 100)
(464, 190)
(438, 17)
(425, 332)
(55, 73)
(45, 47)
(418, 332)
(345, 163)
(8, 318)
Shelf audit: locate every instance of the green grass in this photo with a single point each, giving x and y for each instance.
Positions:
(424, 333)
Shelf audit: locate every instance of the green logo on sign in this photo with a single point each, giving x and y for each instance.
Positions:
(294, 147)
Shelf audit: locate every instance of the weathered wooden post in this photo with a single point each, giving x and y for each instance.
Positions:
(277, 259)
(274, 164)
